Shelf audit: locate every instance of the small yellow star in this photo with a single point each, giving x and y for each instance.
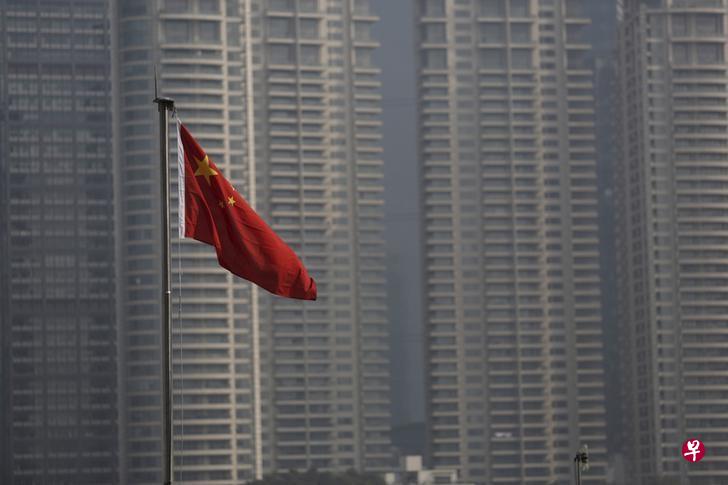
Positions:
(204, 169)
(221, 204)
(231, 200)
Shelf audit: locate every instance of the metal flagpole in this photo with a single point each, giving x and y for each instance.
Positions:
(165, 105)
(255, 318)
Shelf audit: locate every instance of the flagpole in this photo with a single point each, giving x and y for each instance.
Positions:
(254, 313)
(166, 105)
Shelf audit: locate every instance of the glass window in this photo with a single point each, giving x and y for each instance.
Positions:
(133, 8)
(232, 8)
(177, 31)
(136, 33)
(209, 6)
(363, 31)
(362, 7)
(521, 59)
(278, 27)
(492, 8)
(492, 33)
(233, 33)
(434, 32)
(309, 28)
(710, 53)
(434, 8)
(308, 5)
(681, 53)
(576, 34)
(680, 25)
(574, 8)
(177, 6)
(281, 54)
(364, 58)
(282, 5)
(492, 58)
(520, 8)
(576, 59)
(658, 25)
(310, 55)
(708, 25)
(520, 32)
(209, 32)
(435, 59)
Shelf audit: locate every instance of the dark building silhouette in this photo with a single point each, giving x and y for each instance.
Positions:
(57, 318)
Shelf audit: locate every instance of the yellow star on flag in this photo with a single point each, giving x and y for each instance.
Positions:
(231, 200)
(204, 169)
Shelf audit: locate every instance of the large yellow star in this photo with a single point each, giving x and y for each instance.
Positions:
(204, 169)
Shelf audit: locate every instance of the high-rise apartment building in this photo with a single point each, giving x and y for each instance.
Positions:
(58, 398)
(196, 49)
(320, 185)
(317, 130)
(513, 319)
(673, 202)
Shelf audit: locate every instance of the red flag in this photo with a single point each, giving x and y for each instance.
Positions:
(212, 212)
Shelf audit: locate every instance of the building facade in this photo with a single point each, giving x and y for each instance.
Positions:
(58, 408)
(672, 203)
(325, 366)
(318, 178)
(196, 49)
(515, 379)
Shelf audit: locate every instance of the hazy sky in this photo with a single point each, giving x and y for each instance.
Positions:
(395, 30)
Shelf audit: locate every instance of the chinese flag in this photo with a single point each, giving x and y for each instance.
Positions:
(212, 212)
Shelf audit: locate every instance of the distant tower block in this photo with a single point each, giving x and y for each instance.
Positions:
(672, 196)
(508, 173)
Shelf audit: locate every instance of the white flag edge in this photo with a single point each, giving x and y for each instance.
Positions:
(180, 181)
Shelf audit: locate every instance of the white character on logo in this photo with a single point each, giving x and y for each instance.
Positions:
(694, 447)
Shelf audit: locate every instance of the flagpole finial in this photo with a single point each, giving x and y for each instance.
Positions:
(163, 102)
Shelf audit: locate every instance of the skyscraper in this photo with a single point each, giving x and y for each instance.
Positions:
(318, 178)
(320, 185)
(58, 407)
(196, 48)
(513, 319)
(672, 201)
